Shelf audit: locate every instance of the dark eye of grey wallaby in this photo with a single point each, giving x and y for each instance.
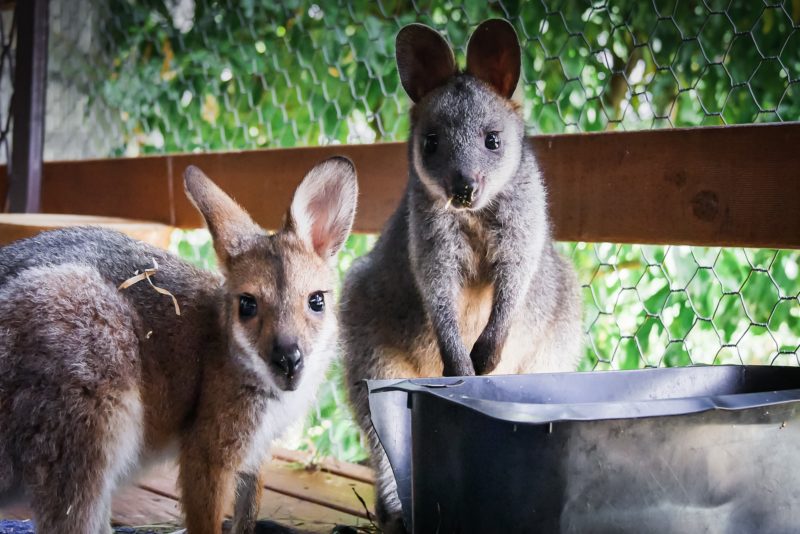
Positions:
(492, 141)
(430, 143)
(316, 301)
(247, 306)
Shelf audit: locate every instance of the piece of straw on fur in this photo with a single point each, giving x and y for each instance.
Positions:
(145, 275)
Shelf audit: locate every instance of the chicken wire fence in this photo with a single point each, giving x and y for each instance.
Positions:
(158, 76)
(8, 30)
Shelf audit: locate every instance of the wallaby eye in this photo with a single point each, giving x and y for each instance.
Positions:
(247, 306)
(316, 301)
(430, 143)
(492, 140)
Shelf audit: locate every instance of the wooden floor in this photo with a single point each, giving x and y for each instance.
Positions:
(310, 499)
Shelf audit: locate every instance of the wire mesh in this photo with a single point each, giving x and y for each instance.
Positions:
(178, 75)
(162, 76)
(651, 306)
(8, 30)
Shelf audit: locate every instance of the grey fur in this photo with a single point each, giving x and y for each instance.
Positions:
(446, 291)
(67, 339)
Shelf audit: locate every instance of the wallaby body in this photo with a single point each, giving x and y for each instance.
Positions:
(95, 381)
(464, 278)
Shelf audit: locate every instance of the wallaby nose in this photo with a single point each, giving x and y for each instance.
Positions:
(288, 358)
(464, 189)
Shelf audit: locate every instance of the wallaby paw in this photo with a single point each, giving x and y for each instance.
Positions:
(485, 356)
(459, 369)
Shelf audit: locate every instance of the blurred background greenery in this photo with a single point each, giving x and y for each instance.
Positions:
(157, 76)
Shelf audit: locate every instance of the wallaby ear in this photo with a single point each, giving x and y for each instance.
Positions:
(231, 227)
(324, 206)
(493, 55)
(424, 59)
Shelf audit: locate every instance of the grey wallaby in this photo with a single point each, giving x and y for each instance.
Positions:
(464, 279)
(96, 381)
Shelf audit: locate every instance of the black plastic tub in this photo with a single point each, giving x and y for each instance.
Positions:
(699, 449)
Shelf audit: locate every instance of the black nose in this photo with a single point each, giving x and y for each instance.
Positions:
(287, 358)
(464, 190)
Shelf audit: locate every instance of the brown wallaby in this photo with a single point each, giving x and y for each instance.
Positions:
(464, 278)
(96, 381)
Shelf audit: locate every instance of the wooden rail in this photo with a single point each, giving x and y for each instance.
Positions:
(736, 185)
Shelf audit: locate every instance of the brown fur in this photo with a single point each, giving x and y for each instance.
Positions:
(95, 382)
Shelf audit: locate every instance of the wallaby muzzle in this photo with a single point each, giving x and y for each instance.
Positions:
(464, 192)
(287, 362)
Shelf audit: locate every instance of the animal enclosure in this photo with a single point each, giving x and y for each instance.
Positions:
(654, 217)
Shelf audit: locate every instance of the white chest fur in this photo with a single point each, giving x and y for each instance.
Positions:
(283, 411)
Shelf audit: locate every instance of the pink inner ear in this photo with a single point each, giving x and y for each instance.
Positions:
(327, 216)
(321, 225)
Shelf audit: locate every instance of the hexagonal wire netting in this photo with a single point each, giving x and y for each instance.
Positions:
(8, 30)
(130, 78)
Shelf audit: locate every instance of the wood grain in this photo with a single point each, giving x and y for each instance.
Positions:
(329, 465)
(735, 185)
(320, 487)
(134, 506)
(296, 495)
(15, 226)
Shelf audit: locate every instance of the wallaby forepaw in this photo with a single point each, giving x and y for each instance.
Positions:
(458, 369)
(485, 356)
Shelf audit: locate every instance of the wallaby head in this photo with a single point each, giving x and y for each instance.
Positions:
(279, 286)
(466, 134)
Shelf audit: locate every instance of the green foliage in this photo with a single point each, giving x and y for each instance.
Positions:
(280, 74)
(330, 430)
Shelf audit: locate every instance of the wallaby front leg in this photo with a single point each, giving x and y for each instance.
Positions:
(436, 272)
(511, 286)
(206, 491)
(439, 298)
(249, 489)
(455, 358)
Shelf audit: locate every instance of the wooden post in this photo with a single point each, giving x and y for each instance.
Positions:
(28, 106)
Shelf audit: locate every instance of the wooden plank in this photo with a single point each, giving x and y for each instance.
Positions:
(331, 481)
(15, 226)
(330, 465)
(320, 487)
(310, 511)
(735, 185)
(131, 506)
(304, 515)
(134, 506)
(313, 501)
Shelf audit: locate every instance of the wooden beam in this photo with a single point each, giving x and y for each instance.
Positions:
(28, 106)
(736, 185)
